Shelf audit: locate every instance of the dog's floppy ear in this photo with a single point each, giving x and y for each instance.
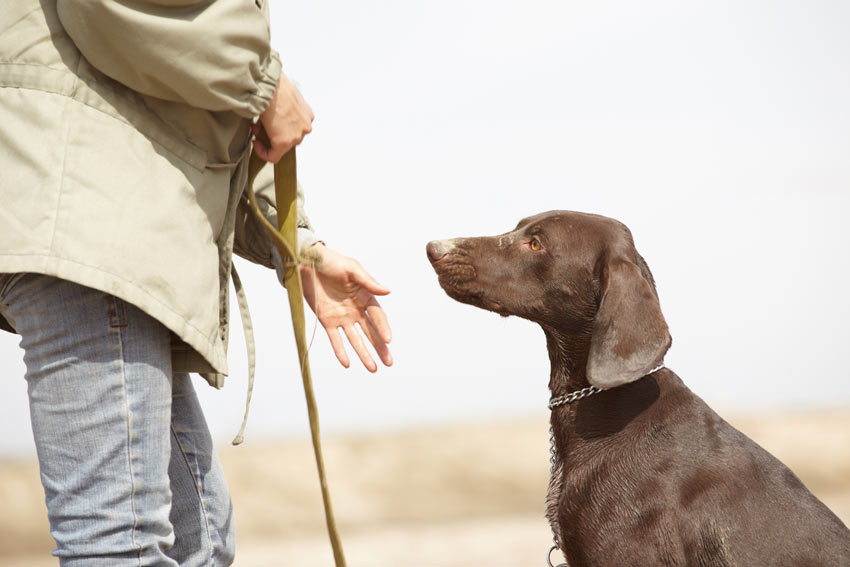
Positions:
(630, 335)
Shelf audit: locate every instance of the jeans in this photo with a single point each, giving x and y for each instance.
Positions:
(127, 463)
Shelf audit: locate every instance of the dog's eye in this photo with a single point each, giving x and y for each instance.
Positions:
(535, 245)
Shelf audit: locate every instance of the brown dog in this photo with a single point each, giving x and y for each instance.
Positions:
(645, 473)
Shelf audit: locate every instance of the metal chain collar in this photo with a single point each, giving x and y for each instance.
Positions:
(573, 396)
(557, 402)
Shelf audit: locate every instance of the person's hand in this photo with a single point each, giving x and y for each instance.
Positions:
(342, 294)
(286, 121)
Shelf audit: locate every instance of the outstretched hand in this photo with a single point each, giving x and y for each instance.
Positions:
(342, 294)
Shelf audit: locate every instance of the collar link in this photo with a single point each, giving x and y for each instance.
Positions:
(585, 392)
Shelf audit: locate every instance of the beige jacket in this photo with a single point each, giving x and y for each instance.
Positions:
(124, 133)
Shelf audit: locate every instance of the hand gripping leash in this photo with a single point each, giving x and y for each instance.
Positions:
(286, 241)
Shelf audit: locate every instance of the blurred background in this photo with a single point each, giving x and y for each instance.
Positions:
(719, 132)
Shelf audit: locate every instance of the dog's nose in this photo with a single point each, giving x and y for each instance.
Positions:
(436, 249)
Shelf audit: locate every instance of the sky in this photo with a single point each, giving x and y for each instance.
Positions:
(719, 132)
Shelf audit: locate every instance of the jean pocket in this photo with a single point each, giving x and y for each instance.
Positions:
(7, 281)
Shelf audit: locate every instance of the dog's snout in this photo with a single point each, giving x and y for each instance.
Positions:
(436, 249)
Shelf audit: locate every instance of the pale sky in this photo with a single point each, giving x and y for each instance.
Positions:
(719, 132)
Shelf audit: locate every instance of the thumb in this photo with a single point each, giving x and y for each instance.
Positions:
(368, 282)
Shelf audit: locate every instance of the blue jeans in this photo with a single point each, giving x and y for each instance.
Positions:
(127, 463)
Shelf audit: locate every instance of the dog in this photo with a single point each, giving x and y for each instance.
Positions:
(644, 472)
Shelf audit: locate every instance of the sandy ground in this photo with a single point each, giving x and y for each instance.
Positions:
(457, 496)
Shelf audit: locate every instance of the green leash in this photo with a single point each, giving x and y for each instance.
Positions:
(286, 241)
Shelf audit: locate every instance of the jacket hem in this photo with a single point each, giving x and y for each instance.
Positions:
(207, 354)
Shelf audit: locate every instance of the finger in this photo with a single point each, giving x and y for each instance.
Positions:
(276, 152)
(369, 283)
(337, 345)
(380, 345)
(278, 145)
(261, 151)
(360, 347)
(379, 320)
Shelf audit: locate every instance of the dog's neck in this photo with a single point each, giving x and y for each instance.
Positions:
(567, 360)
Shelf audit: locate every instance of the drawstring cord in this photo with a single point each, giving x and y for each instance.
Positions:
(248, 331)
(250, 345)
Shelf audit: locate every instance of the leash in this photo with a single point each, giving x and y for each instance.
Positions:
(553, 455)
(286, 241)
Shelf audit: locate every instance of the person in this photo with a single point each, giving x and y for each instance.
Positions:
(125, 132)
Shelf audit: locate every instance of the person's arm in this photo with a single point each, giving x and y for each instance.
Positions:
(213, 55)
(208, 54)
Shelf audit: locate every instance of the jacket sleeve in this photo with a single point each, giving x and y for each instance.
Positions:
(210, 54)
(251, 240)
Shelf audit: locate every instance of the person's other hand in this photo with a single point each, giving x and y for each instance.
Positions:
(342, 295)
(286, 121)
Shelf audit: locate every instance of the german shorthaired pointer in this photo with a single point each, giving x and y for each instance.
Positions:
(644, 472)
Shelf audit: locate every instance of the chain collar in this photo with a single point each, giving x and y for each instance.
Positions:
(585, 392)
(573, 396)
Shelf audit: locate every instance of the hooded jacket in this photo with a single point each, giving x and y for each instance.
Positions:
(124, 138)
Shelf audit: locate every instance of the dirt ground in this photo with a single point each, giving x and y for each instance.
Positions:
(451, 497)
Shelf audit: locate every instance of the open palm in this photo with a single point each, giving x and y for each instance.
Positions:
(342, 294)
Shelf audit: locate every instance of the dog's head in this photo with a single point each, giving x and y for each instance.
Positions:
(574, 273)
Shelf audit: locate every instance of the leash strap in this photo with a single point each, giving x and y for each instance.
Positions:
(285, 240)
